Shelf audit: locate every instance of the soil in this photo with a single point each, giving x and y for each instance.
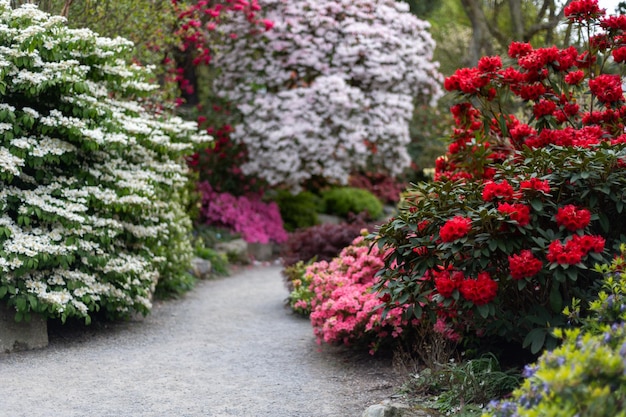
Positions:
(228, 348)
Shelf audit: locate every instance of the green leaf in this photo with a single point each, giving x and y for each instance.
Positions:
(536, 204)
(483, 310)
(535, 339)
(556, 301)
(3, 291)
(20, 303)
(604, 222)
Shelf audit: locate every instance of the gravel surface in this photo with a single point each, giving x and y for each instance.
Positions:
(228, 348)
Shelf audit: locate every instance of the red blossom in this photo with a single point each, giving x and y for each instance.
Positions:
(479, 291)
(519, 49)
(446, 282)
(518, 212)
(619, 54)
(536, 184)
(455, 228)
(544, 108)
(574, 77)
(490, 63)
(616, 23)
(582, 10)
(524, 265)
(494, 190)
(607, 88)
(573, 218)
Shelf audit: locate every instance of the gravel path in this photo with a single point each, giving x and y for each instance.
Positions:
(228, 348)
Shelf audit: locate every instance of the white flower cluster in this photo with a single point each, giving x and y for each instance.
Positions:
(91, 189)
(330, 88)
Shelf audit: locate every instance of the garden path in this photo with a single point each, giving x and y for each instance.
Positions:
(229, 348)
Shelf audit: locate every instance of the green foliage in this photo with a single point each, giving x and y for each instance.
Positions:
(342, 201)
(209, 236)
(298, 283)
(219, 261)
(586, 375)
(298, 211)
(462, 388)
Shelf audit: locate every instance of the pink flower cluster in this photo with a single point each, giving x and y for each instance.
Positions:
(255, 220)
(344, 307)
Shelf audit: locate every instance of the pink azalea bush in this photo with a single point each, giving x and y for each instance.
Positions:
(523, 205)
(329, 89)
(344, 309)
(255, 220)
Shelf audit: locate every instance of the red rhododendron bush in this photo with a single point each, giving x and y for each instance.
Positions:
(344, 309)
(529, 196)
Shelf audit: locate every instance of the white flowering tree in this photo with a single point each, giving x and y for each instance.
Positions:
(329, 89)
(91, 183)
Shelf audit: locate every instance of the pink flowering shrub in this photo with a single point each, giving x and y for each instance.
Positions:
(329, 89)
(255, 220)
(522, 206)
(344, 309)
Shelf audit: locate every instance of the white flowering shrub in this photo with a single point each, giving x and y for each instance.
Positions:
(91, 183)
(328, 89)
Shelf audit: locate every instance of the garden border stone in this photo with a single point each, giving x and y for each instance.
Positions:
(24, 335)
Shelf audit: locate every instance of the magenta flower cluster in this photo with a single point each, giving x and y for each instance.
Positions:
(256, 220)
(344, 308)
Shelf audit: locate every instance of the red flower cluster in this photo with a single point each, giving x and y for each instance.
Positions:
(446, 282)
(479, 291)
(493, 190)
(455, 228)
(536, 184)
(574, 249)
(573, 218)
(518, 212)
(582, 10)
(524, 265)
(607, 88)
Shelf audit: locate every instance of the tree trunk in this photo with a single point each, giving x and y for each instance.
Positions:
(480, 44)
(515, 8)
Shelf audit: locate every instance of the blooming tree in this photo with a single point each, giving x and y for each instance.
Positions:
(328, 88)
(92, 195)
(521, 206)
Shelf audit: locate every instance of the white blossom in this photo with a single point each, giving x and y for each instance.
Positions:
(338, 80)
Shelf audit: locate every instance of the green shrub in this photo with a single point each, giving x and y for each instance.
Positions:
(219, 261)
(298, 284)
(298, 211)
(586, 375)
(92, 182)
(342, 201)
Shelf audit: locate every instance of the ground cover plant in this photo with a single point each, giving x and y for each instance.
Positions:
(92, 182)
(328, 89)
(528, 197)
